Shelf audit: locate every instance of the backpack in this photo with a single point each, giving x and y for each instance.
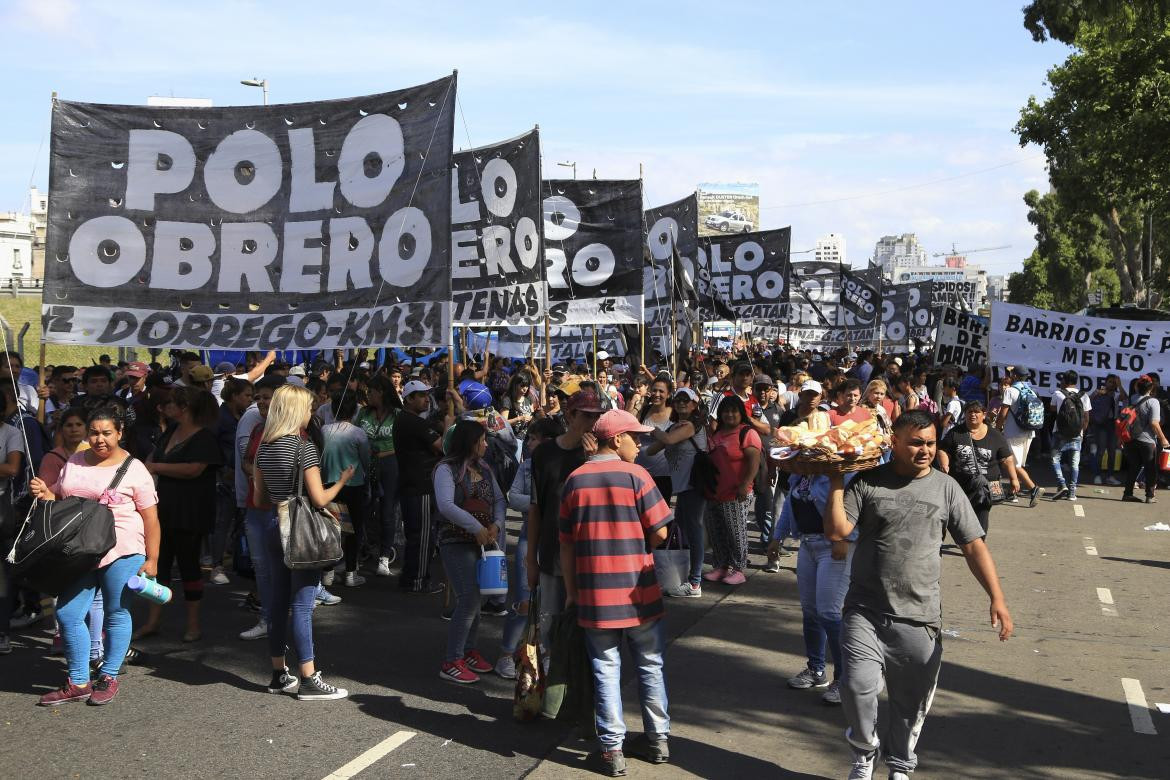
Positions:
(1070, 417)
(1127, 422)
(1028, 410)
(62, 540)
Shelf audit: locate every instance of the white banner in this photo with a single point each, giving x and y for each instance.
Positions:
(961, 338)
(1049, 342)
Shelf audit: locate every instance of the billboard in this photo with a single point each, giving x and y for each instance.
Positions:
(728, 207)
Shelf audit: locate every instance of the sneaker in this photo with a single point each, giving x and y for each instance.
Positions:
(1011, 498)
(258, 631)
(327, 599)
(315, 689)
(506, 667)
(1114, 481)
(476, 662)
(809, 679)
(862, 767)
(104, 690)
(251, 603)
(327, 578)
(1072, 495)
(1033, 496)
(5, 645)
(736, 577)
(426, 589)
(614, 762)
(656, 752)
(383, 567)
(457, 671)
(832, 694)
(715, 575)
(354, 580)
(218, 577)
(447, 613)
(134, 657)
(1097, 480)
(26, 619)
(65, 695)
(1062, 492)
(283, 682)
(686, 590)
(1131, 497)
(772, 566)
(95, 668)
(493, 609)
(1151, 500)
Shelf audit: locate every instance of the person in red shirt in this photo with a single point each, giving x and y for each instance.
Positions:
(612, 517)
(848, 404)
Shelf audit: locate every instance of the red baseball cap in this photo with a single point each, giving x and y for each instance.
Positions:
(617, 421)
(136, 369)
(584, 401)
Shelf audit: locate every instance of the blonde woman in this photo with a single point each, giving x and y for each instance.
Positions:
(876, 397)
(286, 453)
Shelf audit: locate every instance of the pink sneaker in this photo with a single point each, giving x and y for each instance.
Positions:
(734, 578)
(457, 671)
(715, 575)
(477, 663)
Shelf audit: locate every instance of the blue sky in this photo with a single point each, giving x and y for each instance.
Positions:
(840, 110)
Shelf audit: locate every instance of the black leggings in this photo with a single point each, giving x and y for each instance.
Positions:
(184, 546)
(1139, 455)
(354, 498)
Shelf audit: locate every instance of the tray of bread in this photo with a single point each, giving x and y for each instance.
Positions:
(850, 446)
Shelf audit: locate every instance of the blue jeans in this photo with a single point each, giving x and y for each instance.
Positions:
(1102, 442)
(822, 582)
(518, 594)
(646, 645)
(254, 520)
(1061, 446)
(459, 561)
(294, 589)
(388, 504)
(73, 609)
(689, 508)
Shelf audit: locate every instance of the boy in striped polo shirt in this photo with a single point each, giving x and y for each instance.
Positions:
(612, 517)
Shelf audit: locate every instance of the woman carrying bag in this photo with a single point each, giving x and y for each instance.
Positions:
(285, 458)
(974, 453)
(471, 517)
(90, 474)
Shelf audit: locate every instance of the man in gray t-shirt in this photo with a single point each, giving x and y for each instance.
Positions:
(893, 611)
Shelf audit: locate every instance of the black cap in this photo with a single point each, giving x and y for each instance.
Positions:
(1019, 372)
(559, 368)
(742, 367)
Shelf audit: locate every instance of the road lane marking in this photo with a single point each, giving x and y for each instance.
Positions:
(383, 748)
(1139, 711)
(1078, 510)
(1106, 599)
(1090, 547)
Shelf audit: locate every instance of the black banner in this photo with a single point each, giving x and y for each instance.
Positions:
(861, 297)
(593, 250)
(569, 344)
(748, 271)
(907, 314)
(497, 276)
(258, 227)
(670, 229)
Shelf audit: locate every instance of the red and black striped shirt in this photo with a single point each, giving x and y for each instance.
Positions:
(608, 507)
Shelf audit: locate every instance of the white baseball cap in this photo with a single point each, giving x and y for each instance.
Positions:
(415, 386)
(812, 385)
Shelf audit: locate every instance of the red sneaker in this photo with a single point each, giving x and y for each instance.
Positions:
(734, 577)
(476, 662)
(457, 671)
(104, 690)
(65, 695)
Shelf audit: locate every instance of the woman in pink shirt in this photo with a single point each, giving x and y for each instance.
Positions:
(735, 451)
(89, 474)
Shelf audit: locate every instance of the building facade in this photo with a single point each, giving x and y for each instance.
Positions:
(831, 249)
(902, 251)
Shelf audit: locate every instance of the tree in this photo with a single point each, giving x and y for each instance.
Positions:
(1106, 127)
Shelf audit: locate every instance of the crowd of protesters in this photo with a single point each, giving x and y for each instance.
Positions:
(602, 460)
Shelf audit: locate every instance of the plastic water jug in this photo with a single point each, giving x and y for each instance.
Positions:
(149, 589)
(492, 572)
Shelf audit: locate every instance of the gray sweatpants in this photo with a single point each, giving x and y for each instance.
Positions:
(908, 655)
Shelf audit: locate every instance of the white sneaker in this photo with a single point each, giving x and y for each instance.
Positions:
(258, 631)
(506, 667)
(326, 598)
(353, 579)
(383, 567)
(327, 579)
(686, 591)
(1097, 480)
(218, 577)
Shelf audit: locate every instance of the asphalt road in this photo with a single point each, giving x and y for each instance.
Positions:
(1087, 588)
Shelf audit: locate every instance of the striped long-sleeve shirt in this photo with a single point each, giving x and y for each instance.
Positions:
(608, 507)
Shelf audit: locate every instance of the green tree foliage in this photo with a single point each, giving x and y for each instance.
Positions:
(1072, 258)
(1106, 127)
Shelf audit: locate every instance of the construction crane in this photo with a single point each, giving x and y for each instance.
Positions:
(965, 252)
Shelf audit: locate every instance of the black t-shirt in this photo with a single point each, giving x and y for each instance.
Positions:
(413, 440)
(551, 466)
(188, 504)
(985, 455)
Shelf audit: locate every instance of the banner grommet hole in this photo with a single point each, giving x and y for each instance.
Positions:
(249, 246)
(402, 106)
(164, 162)
(109, 251)
(245, 172)
(117, 164)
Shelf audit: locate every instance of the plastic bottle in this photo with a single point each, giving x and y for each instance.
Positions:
(148, 589)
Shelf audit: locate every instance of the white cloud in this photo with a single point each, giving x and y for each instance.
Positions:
(54, 16)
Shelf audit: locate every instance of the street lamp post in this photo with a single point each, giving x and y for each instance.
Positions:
(572, 165)
(262, 83)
